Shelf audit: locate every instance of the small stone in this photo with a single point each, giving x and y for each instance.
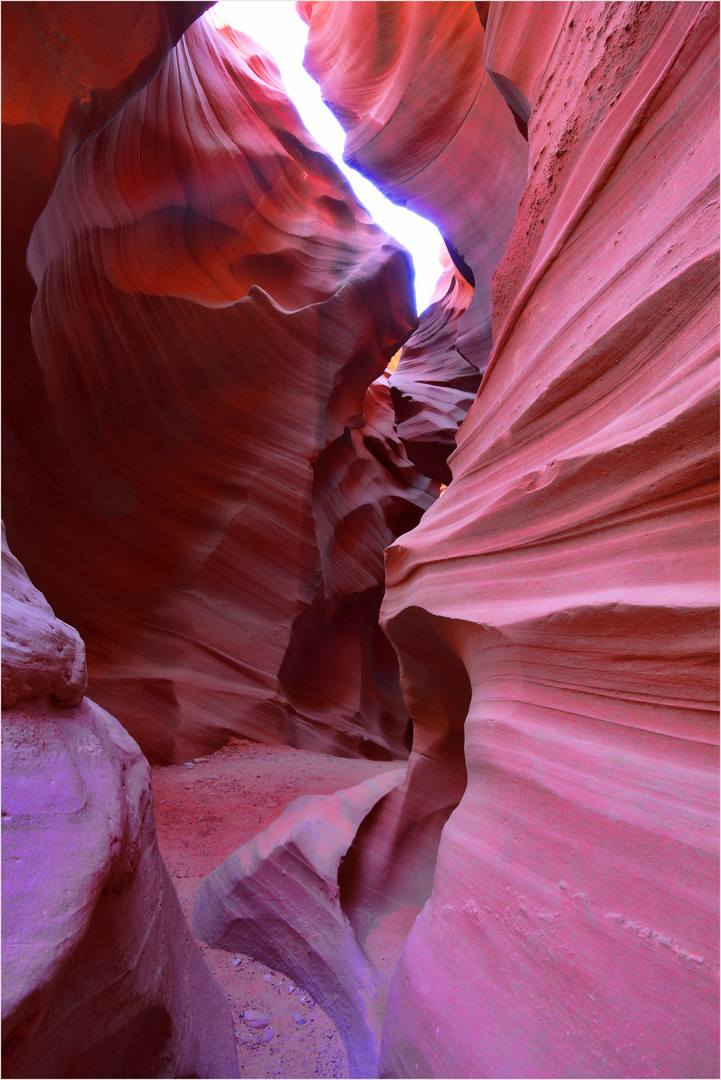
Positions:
(291, 989)
(268, 1035)
(237, 961)
(255, 1019)
(189, 765)
(267, 978)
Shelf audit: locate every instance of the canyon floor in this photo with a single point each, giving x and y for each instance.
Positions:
(205, 810)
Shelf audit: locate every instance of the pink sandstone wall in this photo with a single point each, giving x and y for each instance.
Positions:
(205, 461)
(569, 570)
(100, 976)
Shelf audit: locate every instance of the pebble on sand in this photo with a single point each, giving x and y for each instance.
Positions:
(255, 1019)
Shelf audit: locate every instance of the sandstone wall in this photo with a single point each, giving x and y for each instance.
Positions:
(212, 307)
(100, 974)
(569, 570)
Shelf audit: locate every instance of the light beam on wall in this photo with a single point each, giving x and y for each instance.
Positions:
(276, 25)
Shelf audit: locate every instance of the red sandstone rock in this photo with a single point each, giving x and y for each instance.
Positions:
(570, 568)
(278, 900)
(99, 974)
(213, 304)
(555, 612)
(67, 69)
(425, 122)
(433, 387)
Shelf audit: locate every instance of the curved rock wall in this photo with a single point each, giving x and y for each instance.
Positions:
(570, 567)
(210, 441)
(67, 70)
(425, 122)
(212, 306)
(100, 977)
(433, 386)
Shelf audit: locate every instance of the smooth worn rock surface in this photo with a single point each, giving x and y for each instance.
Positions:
(213, 305)
(426, 123)
(205, 813)
(433, 387)
(100, 975)
(42, 657)
(570, 569)
(212, 474)
(278, 899)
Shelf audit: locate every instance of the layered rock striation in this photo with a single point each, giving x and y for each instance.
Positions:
(568, 573)
(278, 898)
(213, 305)
(433, 386)
(426, 123)
(223, 461)
(100, 975)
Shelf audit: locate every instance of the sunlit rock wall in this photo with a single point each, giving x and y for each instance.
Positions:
(213, 305)
(426, 123)
(567, 576)
(100, 975)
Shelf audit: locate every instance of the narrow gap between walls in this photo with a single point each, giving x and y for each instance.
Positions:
(278, 28)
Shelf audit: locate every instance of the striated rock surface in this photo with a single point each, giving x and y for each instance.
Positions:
(426, 123)
(278, 900)
(433, 387)
(221, 459)
(213, 305)
(570, 568)
(64, 77)
(68, 68)
(100, 975)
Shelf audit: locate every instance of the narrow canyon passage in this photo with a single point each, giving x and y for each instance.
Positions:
(360, 634)
(206, 809)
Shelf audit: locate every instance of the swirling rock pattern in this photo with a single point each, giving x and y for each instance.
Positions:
(212, 306)
(433, 387)
(568, 573)
(426, 123)
(278, 899)
(100, 976)
(67, 70)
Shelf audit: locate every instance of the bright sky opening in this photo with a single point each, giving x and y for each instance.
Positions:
(276, 25)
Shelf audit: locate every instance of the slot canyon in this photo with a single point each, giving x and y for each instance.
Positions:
(360, 663)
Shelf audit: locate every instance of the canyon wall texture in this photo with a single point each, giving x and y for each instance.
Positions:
(433, 386)
(425, 122)
(556, 610)
(221, 471)
(100, 975)
(278, 898)
(206, 459)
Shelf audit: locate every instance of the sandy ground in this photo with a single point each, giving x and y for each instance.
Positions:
(203, 812)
